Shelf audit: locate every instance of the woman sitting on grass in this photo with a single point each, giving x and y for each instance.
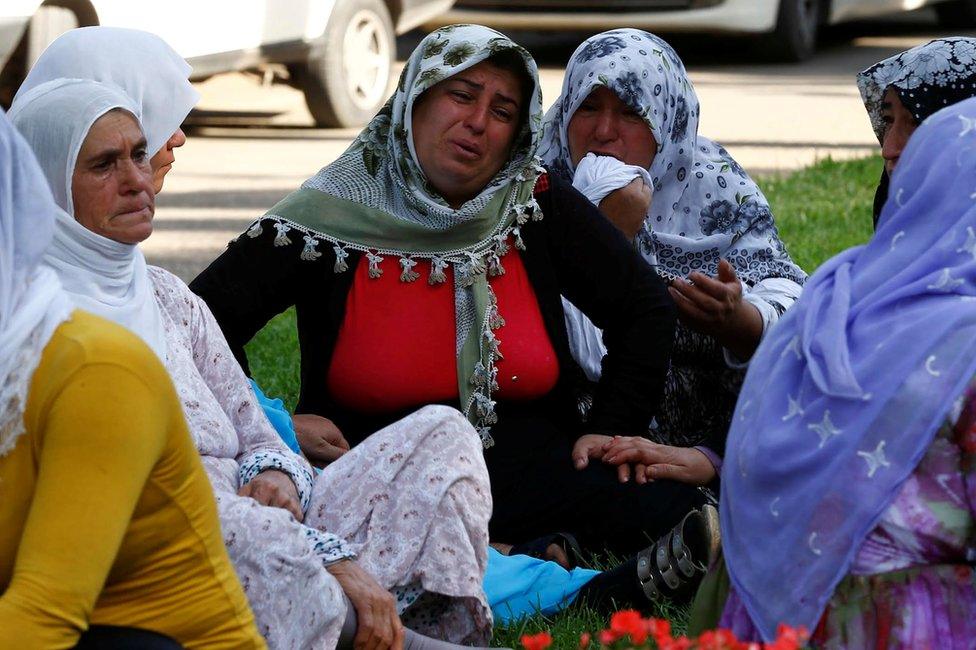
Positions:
(629, 112)
(406, 513)
(848, 498)
(110, 535)
(903, 90)
(426, 266)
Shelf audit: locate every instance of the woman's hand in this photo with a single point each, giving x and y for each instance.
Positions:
(653, 461)
(626, 208)
(378, 625)
(714, 306)
(320, 439)
(589, 446)
(274, 488)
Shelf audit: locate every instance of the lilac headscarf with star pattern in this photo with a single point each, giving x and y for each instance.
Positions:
(845, 394)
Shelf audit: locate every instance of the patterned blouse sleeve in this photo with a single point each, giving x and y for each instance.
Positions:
(260, 448)
(328, 547)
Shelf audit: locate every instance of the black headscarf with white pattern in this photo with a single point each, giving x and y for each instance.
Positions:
(926, 78)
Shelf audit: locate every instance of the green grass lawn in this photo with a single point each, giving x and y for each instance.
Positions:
(820, 211)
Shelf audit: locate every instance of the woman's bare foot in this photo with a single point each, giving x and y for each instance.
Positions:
(554, 553)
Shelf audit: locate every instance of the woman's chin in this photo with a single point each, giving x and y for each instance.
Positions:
(159, 177)
(133, 233)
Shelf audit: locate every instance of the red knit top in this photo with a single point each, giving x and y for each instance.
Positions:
(396, 348)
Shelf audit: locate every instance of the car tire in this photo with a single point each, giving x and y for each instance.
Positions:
(795, 36)
(347, 74)
(956, 13)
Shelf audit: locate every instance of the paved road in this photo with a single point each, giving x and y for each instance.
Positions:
(250, 145)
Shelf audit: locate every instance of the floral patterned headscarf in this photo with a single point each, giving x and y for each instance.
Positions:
(705, 207)
(927, 78)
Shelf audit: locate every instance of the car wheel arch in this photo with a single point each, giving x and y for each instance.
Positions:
(83, 10)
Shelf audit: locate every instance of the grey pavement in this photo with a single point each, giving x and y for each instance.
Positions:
(250, 144)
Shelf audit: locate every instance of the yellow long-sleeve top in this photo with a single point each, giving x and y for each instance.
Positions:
(106, 514)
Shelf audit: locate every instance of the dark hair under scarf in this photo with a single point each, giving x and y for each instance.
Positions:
(926, 78)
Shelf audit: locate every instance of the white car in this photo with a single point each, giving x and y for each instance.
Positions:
(788, 27)
(338, 52)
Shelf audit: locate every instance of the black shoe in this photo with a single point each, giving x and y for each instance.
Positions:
(674, 565)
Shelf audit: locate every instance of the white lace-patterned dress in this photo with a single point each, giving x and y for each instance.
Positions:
(411, 504)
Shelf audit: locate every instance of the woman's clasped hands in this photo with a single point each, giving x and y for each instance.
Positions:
(643, 459)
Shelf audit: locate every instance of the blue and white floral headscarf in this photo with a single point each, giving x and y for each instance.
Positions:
(845, 394)
(705, 207)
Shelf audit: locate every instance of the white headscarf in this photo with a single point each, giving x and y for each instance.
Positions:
(103, 276)
(142, 64)
(32, 304)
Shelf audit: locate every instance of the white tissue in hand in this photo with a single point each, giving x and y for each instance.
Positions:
(596, 176)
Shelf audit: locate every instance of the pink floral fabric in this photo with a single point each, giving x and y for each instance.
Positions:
(913, 581)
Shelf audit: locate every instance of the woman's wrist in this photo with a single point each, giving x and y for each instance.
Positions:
(742, 333)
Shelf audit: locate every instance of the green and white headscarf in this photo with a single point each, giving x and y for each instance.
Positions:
(376, 199)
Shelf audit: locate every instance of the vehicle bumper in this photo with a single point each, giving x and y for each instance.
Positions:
(731, 16)
(419, 12)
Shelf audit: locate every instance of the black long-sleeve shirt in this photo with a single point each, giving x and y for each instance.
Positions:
(573, 251)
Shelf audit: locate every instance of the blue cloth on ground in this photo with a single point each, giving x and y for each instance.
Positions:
(519, 586)
(279, 417)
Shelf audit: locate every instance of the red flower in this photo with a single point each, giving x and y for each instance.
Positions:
(681, 643)
(607, 637)
(660, 629)
(719, 640)
(636, 633)
(788, 638)
(629, 623)
(539, 641)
